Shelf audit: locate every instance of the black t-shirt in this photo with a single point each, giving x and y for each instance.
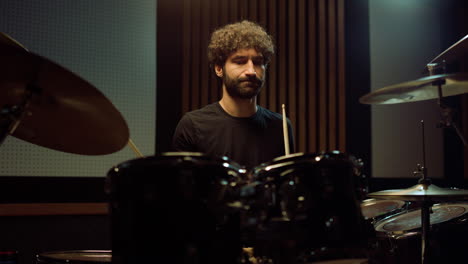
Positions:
(248, 141)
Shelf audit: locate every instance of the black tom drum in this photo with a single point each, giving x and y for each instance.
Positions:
(311, 202)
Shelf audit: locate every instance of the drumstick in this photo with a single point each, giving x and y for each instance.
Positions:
(285, 132)
(134, 148)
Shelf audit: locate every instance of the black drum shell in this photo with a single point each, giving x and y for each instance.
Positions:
(173, 208)
(312, 200)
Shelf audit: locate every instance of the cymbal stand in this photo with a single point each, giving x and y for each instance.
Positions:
(11, 116)
(446, 112)
(426, 204)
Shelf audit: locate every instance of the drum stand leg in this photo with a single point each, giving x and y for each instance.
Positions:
(425, 220)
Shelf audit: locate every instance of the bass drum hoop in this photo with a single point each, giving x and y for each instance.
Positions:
(75, 257)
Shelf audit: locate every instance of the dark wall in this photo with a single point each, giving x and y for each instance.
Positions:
(358, 82)
(455, 28)
(169, 71)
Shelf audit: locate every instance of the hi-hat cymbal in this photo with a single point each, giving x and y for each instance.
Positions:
(65, 113)
(422, 192)
(418, 90)
(455, 52)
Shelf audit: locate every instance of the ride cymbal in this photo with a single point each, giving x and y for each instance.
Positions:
(422, 192)
(418, 90)
(64, 112)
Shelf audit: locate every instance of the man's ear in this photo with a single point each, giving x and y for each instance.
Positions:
(218, 70)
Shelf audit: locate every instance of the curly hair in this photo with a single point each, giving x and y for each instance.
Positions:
(241, 35)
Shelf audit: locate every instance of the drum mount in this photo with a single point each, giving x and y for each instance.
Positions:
(11, 116)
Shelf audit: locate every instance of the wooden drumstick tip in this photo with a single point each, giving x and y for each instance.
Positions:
(134, 148)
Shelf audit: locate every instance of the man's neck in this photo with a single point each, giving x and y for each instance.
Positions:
(238, 107)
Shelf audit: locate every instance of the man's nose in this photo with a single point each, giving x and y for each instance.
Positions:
(250, 68)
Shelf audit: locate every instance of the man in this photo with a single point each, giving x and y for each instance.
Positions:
(236, 126)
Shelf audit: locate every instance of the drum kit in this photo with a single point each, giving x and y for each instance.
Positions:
(185, 207)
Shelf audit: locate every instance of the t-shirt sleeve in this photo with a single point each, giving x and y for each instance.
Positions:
(184, 138)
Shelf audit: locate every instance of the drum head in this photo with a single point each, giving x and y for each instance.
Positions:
(412, 220)
(372, 208)
(75, 257)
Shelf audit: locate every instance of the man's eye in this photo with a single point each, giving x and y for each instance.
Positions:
(239, 62)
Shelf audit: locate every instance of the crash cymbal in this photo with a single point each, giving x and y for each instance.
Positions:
(65, 112)
(422, 192)
(455, 52)
(418, 90)
(7, 40)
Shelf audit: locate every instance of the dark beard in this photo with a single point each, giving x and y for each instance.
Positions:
(244, 88)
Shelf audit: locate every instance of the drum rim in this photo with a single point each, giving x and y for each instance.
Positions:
(401, 206)
(311, 159)
(199, 157)
(49, 255)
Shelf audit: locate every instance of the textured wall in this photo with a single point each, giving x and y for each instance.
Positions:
(112, 45)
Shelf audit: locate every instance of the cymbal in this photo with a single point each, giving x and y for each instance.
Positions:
(422, 192)
(454, 52)
(418, 90)
(7, 40)
(65, 113)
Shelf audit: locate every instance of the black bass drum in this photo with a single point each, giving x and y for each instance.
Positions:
(175, 208)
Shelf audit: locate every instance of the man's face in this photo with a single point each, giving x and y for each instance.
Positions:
(244, 73)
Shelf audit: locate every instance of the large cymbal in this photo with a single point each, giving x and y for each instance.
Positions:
(418, 90)
(66, 113)
(422, 192)
(455, 52)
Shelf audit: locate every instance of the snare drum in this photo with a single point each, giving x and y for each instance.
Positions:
(75, 257)
(399, 236)
(175, 208)
(311, 203)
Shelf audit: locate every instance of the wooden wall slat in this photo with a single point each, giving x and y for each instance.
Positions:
(341, 76)
(282, 55)
(332, 89)
(301, 127)
(322, 89)
(186, 62)
(307, 73)
(195, 39)
(262, 13)
(291, 67)
(312, 82)
(273, 67)
(252, 10)
(234, 12)
(203, 39)
(215, 7)
(224, 12)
